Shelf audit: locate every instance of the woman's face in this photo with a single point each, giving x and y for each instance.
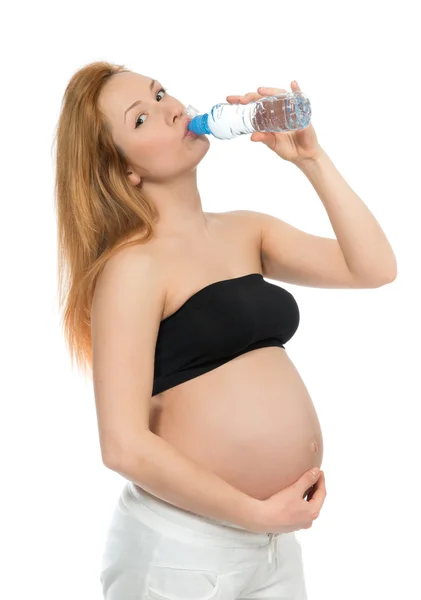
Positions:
(151, 133)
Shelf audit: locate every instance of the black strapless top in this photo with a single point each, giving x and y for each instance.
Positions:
(218, 323)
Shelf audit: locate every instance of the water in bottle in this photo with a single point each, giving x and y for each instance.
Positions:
(286, 111)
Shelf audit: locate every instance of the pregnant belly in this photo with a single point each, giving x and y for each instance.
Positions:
(251, 421)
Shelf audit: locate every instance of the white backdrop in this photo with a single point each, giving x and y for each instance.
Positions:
(357, 350)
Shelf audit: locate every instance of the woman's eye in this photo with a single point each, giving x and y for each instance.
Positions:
(137, 120)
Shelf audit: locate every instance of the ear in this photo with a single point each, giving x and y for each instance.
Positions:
(133, 178)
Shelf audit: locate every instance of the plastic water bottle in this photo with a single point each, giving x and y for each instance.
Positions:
(284, 112)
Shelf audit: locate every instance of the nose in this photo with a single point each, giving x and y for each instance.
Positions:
(176, 113)
(179, 113)
(172, 115)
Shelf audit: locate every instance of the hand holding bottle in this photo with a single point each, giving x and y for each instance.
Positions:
(288, 510)
(298, 146)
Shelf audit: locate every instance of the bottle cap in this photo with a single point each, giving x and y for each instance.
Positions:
(199, 125)
(199, 122)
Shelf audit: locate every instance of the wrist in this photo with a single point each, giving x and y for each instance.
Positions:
(311, 162)
(256, 518)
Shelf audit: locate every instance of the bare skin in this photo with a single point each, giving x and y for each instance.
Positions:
(251, 420)
(161, 162)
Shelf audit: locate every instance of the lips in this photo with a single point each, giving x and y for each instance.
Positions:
(186, 130)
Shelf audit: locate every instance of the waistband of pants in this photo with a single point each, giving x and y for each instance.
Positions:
(164, 516)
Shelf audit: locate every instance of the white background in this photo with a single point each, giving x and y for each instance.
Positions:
(357, 350)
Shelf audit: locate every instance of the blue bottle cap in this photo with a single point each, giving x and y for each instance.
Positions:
(199, 125)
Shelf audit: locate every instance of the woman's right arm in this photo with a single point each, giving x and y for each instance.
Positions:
(126, 312)
(161, 470)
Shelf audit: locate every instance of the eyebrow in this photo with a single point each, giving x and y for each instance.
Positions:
(138, 101)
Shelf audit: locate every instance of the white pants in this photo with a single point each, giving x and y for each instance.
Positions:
(157, 551)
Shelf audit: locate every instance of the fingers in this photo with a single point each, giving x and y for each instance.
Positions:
(309, 493)
(268, 91)
(318, 496)
(244, 99)
(250, 96)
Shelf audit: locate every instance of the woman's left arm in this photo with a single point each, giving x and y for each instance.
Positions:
(364, 245)
(365, 248)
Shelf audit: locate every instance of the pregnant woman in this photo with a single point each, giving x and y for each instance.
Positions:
(199, 407)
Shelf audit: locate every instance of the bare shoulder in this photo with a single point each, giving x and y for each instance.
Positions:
(127, 258)
(248, 222)
(133, 268)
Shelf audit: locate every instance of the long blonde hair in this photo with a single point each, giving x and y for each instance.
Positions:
(97, 207)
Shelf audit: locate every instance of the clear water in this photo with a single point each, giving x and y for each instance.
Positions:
(284, 112)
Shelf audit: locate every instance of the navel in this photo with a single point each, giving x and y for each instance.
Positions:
(314, 446)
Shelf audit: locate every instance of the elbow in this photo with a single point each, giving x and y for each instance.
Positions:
(112, 461)
(389, 279)
(381, 281)
(109, 461)
(120, 459)
(122, 464)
